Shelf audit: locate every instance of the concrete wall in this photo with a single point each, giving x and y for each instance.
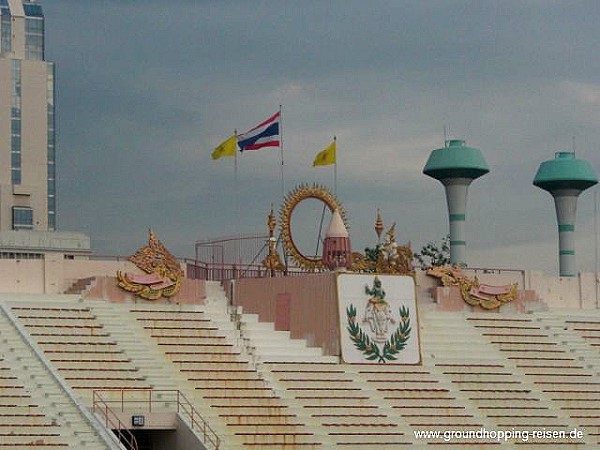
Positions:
(191, 292)
(313, 309)
(311, 299)
(167, 430)
(54, 274)
(24, 276)
(152, 420)
(580, 292)
(185, 438)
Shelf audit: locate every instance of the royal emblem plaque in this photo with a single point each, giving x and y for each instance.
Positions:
(378, 319)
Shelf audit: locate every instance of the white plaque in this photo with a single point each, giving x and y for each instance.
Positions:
(378, 319)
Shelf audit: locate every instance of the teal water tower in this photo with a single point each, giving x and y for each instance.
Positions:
(456, 166)
(565, 177)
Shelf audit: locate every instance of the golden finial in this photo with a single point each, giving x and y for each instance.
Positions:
(271, 222)
(378, 226)
(272, 260)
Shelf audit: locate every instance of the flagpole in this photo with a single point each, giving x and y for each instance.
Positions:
(281, 151)
(237, 190)
(335, 168)
(285, 258)
(596, 279)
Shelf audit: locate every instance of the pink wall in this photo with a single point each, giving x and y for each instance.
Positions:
(191, 292)
(449, 298)
(313, 308)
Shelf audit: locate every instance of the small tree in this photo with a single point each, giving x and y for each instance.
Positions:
(372, 255)
(434, 254)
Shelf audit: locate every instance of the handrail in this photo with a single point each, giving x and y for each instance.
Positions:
(185, 409)
(213, 439)
(125, 436)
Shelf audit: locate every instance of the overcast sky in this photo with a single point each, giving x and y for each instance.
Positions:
(146, 90)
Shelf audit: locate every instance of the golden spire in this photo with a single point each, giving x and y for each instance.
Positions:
(272, 260)
(378, 226)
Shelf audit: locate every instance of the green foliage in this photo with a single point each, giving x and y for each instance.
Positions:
(373, 253)
(398, 340)
(434, 254)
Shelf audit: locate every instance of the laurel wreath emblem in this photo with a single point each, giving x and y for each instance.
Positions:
(365, 344)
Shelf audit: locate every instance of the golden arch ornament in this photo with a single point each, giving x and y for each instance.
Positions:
(291, 201)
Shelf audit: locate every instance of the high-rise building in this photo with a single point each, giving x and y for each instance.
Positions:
(27, 134)
(27, 141)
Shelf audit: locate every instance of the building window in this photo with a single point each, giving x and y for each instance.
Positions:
(18, 255)
(16, 175)
(51, 221)
(34, 38)
(50, 96)
(33, 10)
(5, 28)
(22, 218)
(15, 122)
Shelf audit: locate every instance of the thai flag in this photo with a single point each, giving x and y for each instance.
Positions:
(265, 134)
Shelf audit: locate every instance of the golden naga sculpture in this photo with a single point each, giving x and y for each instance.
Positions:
(163, 271)
(473, 292)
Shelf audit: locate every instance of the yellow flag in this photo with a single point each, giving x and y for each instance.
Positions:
(326, 156)
(227, 148)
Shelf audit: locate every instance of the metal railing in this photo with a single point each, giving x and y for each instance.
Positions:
(219, 272)
(151, 399)
(112, 421)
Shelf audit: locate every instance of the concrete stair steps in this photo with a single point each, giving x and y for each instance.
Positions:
(252, 321)
(282, 440)
(266, 342)
(60, 326)
(328, 401)
(64, 340)
(229, 384)
(33, 300)
(193, 356)
(359, 420)
(371, 438)
(552, 377)
(197, 348)
(53, 405)
(301, 358)
(34, 439)
(192, 332)
(340, 380)
(79, 286)
(262, 419)
(301, 367)
(74, 347)
(260, 334)
(203, 342)
(220, 375)
(284, 350)
(267, 428)
(245, 409)
(251, 404)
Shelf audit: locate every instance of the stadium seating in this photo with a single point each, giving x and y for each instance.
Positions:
(258, 388)
(35, 412)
